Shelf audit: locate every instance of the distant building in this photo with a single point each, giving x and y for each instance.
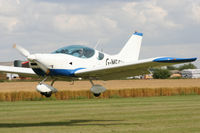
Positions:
(11, 76)
(148, 76)
(190, 73)
(175, 74)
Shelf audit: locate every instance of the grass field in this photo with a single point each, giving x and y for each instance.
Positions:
(172, 114)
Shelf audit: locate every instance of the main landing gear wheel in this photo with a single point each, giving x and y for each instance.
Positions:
(96, 89)
(96, 94)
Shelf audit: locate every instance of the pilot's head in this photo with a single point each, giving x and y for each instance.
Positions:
(81, 52)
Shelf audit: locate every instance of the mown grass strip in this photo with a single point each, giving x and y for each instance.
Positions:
(115, 115)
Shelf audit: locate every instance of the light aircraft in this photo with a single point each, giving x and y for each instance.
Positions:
(76, 61)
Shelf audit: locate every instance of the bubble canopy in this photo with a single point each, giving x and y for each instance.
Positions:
(77, 51)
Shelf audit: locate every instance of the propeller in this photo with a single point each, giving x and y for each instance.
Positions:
(22, 50)
(31, 58)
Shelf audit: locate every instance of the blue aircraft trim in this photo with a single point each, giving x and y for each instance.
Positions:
(174, 60)
(57, 72)
(139, 34)
(63, 72)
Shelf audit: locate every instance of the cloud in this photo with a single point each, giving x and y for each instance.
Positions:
(8, 23)
(66, 22)
(18, 2)
(195, 10)
(148, 12)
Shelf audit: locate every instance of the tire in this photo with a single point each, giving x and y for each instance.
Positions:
(96, 94)
(46, 94)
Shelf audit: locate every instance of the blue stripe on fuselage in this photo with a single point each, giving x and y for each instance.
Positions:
(57, 72)
(63, 72)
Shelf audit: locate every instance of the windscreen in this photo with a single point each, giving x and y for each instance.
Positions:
(77, 51)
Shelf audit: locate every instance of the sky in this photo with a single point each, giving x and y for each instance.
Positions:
(170, 27)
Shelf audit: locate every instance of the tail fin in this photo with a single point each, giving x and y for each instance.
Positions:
(130, 52)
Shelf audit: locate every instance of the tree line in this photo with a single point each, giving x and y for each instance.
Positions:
(159, 73)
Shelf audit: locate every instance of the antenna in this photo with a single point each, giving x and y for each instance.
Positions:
(97, 44)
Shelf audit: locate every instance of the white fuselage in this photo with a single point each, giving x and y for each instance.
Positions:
(70, 64)
(68, 60)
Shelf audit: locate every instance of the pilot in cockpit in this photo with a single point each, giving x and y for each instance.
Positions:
(81, 53)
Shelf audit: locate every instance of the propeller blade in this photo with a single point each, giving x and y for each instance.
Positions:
(32, 58)
(22, 50)
(43, 67)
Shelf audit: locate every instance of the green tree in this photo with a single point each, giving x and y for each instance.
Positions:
(187, 66)
(161, 74)
(171, 68)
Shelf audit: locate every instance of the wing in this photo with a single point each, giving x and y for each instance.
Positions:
(17, 70)
(130, 69)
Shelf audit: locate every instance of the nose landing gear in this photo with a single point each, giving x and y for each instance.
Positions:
(45, 89)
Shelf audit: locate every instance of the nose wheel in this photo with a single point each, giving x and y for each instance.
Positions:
(45, 89)
(46, 94)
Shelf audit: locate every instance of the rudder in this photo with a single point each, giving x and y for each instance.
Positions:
(131, 50)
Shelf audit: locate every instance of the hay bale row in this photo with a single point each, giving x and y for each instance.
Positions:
(65, 95)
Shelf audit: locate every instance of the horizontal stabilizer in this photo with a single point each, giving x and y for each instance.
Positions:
(174, 60)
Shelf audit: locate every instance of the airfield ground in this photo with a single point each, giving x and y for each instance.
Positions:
(113, 84)
(167, 114)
